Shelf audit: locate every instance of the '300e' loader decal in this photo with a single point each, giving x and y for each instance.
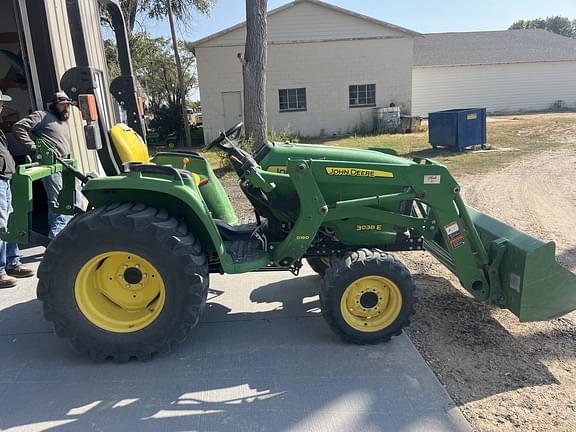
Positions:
(369, 227)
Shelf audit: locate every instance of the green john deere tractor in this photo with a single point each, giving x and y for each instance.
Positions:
(130, 276)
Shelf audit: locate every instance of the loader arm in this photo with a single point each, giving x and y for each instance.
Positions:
(440, 218)
(493, 261)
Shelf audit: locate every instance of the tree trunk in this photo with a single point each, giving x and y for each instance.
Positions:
(130, 9)
(188, 136)
(254, 72)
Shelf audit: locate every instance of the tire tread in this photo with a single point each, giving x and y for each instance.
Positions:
(171, 233)
(363, 257)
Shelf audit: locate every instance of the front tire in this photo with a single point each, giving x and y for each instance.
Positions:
(123, 281)
(367, 297)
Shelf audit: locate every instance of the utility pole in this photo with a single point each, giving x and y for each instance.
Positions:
(188, 142)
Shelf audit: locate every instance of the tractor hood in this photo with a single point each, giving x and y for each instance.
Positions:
(275, 160)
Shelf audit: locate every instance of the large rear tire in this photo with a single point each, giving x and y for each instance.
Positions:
(367, 296)
(123, 281)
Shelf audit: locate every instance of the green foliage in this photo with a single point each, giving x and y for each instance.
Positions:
(155, 69)
(557, 24)
(156, 74)
(153, 59)
(283, 136)
(129, 10)
(111, 53)
(167, 119)
(157, 9)
(182, 9)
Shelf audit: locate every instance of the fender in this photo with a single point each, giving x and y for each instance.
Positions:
(179, 196)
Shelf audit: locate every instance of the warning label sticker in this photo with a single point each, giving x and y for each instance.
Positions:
(452, 228)
(515, 282)
(432, 179)
(454, 235)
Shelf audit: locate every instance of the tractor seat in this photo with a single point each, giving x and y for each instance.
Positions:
(128, 144)
(131, 149)
(242, 232)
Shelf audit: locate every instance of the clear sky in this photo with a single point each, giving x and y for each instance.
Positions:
(424, 16)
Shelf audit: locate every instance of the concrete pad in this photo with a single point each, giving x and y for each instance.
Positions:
(262, 359)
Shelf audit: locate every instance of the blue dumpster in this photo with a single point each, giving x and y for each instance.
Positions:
(457, 128)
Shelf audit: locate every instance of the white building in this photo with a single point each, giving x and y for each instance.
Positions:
(502, 71)
(327, 70)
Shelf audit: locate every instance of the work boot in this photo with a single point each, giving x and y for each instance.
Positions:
(20, 272)
(7, 281)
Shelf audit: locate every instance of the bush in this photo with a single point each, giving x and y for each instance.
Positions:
(168, 119)
(283, 135)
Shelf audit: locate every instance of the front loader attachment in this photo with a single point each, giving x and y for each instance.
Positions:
(524, 275)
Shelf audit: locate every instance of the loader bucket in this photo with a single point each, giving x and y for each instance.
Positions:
(533, 285)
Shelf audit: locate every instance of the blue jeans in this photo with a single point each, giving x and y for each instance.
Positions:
(9, 252)
(56, 222)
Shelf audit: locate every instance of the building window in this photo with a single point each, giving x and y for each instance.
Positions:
(292, 99)
(362, 95)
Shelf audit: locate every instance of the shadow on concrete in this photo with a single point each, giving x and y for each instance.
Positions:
(298, 298)
(467, 347)
(260, 373)
(31, 259)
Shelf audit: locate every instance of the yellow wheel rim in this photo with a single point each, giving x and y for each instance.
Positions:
(371, 303)
(120, 292)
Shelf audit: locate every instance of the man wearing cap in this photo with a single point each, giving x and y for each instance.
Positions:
(50, 126)
(10, 266)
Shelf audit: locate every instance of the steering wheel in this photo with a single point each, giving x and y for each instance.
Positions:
(232, 133)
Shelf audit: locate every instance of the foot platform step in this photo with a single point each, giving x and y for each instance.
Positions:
(236, 233)
(242, 251)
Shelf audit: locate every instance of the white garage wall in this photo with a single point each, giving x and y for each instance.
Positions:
(498, 88)
(325, 69)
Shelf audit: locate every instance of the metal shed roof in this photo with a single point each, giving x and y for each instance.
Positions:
(492, 47)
